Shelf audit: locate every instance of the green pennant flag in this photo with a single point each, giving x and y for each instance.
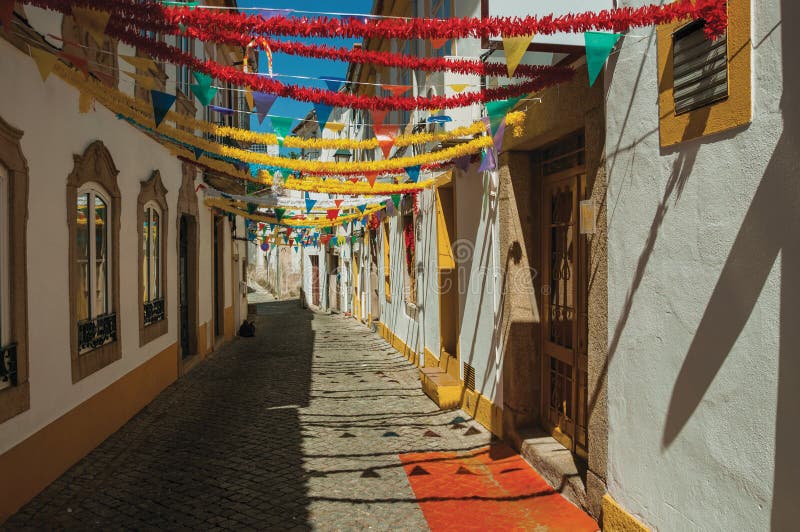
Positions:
(279, 213)
(396, 200)
(598, 48)
(203, 90)
(497, 110)
(281, 125)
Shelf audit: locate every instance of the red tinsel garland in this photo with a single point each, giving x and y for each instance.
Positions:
(617, 20)
(164, 52)
(374, 57)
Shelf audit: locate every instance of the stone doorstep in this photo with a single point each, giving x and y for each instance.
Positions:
(555, 463)
(444, 389)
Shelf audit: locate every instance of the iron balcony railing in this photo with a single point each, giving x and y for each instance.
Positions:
(97, 332)
(8, 365)
(153, 311)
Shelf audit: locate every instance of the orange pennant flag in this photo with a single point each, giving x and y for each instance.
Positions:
(333, 214)
(248, 96)
(371, 178)
(94, 22)
(338, 202)
(396, 90)
(45, 61)
(386, 136)
(515, 48)
(438, 43)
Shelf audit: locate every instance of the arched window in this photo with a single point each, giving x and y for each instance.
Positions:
(14, 386)
(152, 216)
(92, 237)
(151, 264)
(93, 202)
(5, 282)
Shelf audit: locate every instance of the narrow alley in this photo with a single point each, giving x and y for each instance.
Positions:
(316, 422)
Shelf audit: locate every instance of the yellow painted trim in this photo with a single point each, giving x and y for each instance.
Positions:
(430, 356)
(483, 411)
(735, 111)
(444, 248)
(616, 519)
(227, 323)
(40, 459)
(398, 344)
(444, 179)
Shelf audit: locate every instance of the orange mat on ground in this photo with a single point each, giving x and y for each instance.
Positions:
(491, 488)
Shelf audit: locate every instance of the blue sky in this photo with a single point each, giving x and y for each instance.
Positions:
(301, 66)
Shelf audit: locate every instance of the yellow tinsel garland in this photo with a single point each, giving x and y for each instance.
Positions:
(114, 101)
(231, 207)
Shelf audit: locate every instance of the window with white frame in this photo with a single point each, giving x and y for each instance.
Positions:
(152, 264)
(94, 261)
(5, 267)
(186, 45)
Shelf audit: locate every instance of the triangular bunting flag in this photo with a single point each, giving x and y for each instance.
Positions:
(281, 125)
(462, 162)
(497, 110)
(142, 63)
(333, 83)
(338, 202)
(459, 87)
(515, 48)
(362, 208)
(333, 214)
(371, 178)
(279, 214)
(204, 93)
(413, 172)
(488, 161)
(438, 43)
(248, 97)
(498, 137)
(396, 200)
(323, 112)
(386, 136)
(263, 102)
(335, 126)
(148, 83)
(198, 152)
(202, 78)
(6, 14)
(598, 48)
(310, 204)
(397, 90)
(45, 61)
(85, 101)
(94, 22)
(378, 116)
(224, 111)
(161, 104)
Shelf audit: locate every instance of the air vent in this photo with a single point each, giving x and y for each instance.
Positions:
(469, 377)
(700, 68)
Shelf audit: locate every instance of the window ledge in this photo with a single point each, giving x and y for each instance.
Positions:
(150, 332)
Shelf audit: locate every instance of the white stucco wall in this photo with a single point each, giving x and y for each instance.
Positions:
(698, 239)
(53, 129)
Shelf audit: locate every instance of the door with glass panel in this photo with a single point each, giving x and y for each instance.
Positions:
(564, 294)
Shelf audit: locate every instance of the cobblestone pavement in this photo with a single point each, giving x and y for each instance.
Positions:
(300, 427)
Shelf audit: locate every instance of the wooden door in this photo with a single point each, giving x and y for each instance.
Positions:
(565, 360)
(315, 279)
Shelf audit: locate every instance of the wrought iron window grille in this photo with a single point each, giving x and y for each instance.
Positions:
(153, 311)
(8, 364)
(94, 333)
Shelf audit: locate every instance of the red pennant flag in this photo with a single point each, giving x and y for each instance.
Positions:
(438, 43)
(397, 90)
(354, 180)
(372, 177)
(333, 214)
(378, 116)
(386, 146)
(338, 202)
(78, 62)
(288, 231)
(6, 13)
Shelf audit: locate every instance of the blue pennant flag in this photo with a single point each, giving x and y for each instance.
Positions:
(198, 152)
(362, 208)
(310, 204)
(323, 113)
(333, 83)
(161, 104)
(413, 172)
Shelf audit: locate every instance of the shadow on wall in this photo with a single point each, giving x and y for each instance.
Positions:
(768, 233)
